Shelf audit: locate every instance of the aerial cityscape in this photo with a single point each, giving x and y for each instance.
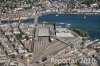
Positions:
(49, 32)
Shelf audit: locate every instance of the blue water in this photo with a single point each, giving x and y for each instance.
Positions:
(91, 23)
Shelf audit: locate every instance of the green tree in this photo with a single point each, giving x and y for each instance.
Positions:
(80, 32)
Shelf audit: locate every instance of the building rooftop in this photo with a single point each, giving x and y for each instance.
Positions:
(43, 32)
(63, 32)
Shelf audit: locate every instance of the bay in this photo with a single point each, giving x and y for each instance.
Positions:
(89, 23)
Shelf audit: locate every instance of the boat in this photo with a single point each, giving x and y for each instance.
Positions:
(68, 24)
(85, 17)
(57, 15)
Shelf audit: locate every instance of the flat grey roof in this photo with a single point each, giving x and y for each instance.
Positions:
(43, 32)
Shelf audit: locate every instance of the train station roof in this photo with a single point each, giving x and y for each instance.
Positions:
(43, 32)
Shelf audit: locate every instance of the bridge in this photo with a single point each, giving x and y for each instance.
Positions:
(35, 19)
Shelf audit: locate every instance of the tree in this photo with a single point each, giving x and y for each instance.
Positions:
(80, 32)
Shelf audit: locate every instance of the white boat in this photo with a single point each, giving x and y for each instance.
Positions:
(68, 24)
(57, 15)
(85, 17)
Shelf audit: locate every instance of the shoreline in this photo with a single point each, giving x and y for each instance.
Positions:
(46, 13)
